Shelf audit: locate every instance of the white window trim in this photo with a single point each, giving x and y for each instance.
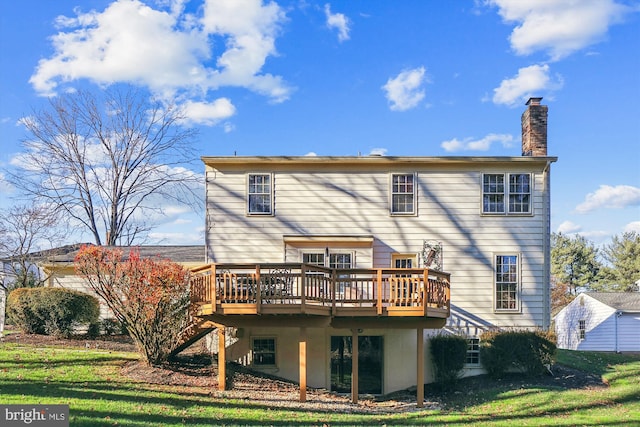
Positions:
(271, 195)
(317, 251)
(415, 194)
(275, 351)
(582, 329)
(518, 308)
(397, 256)
(479, 363)
(506, 193)
(341, 251)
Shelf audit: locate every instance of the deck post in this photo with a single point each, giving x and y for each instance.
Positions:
(379, 291)
(258, 289)
(425, 291)
(354, 365)
(213, 288)
(420, 368)
(302, 357)
(334, 281)
(222, 359)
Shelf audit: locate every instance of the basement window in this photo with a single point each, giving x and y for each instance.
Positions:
(473, 351)
(264, 351)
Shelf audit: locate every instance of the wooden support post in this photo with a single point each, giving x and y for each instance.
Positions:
(302, 348)
(379, 291)
(213, 288)
(354, 365)
(258, 289)
(420, 368)
(222, 359)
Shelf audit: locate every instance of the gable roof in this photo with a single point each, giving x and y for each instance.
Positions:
(622, 301)
(180, 254)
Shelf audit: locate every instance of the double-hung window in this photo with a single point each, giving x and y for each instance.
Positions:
(264, 351)
(403, 194)
(315, 258)
(259, 194)
(473, 351)
(341, 261)
(507, 278)
(506, 194)
(582, 329)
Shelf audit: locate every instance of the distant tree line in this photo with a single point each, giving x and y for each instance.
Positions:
(577, 264)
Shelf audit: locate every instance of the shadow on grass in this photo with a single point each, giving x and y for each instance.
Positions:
(139, 394)
(475, 400)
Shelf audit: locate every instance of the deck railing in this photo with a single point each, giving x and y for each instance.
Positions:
(310, 285)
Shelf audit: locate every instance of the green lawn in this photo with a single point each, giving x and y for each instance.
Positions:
(90, 383)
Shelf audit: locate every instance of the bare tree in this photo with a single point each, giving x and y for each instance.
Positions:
(108, 161)
(27, 235)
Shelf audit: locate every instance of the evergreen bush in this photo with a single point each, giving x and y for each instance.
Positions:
(111, 326)
(52, 311)
(20, 311)
(448, 354)
(530, 352)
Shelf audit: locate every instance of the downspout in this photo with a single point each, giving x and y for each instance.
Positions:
(546, 246)
(618, 314)
(207, 220)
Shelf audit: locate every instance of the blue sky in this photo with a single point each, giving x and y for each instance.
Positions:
(400, 78)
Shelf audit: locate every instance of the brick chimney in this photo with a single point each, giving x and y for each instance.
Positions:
(534, 128)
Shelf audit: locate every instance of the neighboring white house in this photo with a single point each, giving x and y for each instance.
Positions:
(606, 321)
(484, 220)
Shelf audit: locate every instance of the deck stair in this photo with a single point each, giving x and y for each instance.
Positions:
(192, 333)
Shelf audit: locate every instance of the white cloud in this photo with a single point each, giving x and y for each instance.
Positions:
(5, 187)
(482, 144)
(338, 21)
(632, 226)
(620, 196)
(251, 29)
(530, 81)
(188, 237)
(228, 127)
(170, 52)
(405, 90)
(378, 152)
(558, 27)
(208, 113)
(568, 227)
(597, 236)
(173, 211)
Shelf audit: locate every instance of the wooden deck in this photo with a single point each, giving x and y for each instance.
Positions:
(236, 293)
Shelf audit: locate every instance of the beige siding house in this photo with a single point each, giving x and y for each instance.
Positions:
(60, 270)
(371, 255)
